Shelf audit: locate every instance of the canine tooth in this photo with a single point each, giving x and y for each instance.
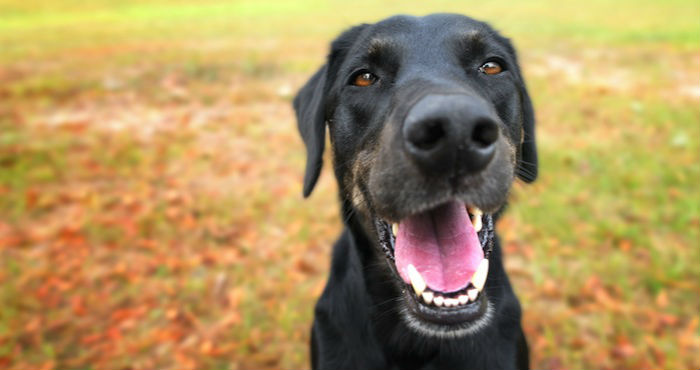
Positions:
(427, 297)
(472, 293)
(451, 302)
(475, 211)
(476, 219)
(416, 280)
(395, 229)
(463, 299)
(477, 223)
(479, 277)
(438, 300)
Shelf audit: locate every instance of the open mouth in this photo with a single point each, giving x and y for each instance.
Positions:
(442, 257)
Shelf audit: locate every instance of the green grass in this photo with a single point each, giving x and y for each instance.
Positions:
(150, 180)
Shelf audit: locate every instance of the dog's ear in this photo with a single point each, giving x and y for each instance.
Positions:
(309, 107)
(313, 106)
(527, 159)
(527, 163)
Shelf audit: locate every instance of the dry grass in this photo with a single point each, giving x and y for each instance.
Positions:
(150, 180)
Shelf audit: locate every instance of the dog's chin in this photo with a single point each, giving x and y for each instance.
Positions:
(450, 303)
(445, 323)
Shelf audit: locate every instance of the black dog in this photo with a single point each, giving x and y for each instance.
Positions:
(429, 122)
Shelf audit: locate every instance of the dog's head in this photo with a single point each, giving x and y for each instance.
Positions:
(430, 122)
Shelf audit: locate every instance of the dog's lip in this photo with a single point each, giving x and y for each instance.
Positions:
(464, 197)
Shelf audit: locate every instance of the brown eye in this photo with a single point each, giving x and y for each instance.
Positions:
(491, 68)
(364, 79)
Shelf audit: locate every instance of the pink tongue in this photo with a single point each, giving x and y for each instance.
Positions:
(442, 245)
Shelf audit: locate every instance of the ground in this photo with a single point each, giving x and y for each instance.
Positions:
(150, 182)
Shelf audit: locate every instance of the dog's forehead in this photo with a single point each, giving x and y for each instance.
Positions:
(433, 27)
(425, 33)
(430, 23)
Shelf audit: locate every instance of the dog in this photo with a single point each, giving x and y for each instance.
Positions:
(430, 123)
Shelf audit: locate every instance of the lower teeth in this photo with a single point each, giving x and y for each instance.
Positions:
(464, 297)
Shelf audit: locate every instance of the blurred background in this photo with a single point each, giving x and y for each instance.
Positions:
(150, 181)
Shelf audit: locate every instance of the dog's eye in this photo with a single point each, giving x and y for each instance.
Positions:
(364, 79)
(491, 68)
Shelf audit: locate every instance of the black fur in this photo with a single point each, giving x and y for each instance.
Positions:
(358, 322)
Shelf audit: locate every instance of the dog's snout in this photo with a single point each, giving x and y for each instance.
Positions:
(450, 132)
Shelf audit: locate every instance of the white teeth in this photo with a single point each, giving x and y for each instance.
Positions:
(429, 297)
(472, 293)
(476, 221)
(416, 280)
(479, 278)
(438, 300)
(395, 229)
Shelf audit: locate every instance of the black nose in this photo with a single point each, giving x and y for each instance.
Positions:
(450, 132)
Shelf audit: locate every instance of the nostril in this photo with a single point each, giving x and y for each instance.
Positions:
(427, 135)
(485, 133)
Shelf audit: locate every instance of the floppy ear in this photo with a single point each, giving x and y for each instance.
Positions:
(312, 105)
(309, 107)
(527, 164)
(527, 160)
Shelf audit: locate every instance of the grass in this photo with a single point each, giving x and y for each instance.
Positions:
(150, 181)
